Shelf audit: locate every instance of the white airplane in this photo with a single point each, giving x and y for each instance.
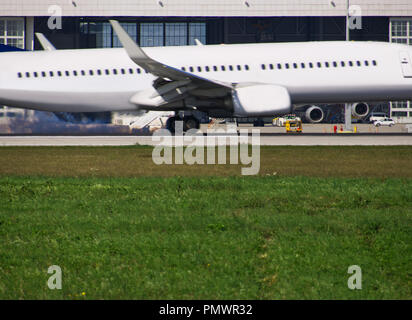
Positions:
(244, 80)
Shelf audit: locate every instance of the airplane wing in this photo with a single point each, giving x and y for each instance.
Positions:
(138, 56)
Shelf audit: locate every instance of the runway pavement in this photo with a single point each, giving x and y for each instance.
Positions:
(264, 140)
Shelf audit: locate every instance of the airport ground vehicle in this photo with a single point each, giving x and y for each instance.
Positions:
(294, 125)
(375, 116)
(385, 122)
(281, 121)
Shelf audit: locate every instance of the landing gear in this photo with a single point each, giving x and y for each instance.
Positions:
(189, 122)
(170, 124)
(258, 123)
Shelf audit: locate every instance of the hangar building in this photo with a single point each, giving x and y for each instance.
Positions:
(84, 23)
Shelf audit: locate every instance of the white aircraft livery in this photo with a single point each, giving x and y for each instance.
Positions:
(244, 80)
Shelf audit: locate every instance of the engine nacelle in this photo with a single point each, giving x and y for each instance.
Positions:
(314, 114)
(360, 110)
(261, 100)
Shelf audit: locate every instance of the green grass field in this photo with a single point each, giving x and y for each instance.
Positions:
(145, 234)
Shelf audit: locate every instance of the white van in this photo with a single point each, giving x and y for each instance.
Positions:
(376, 116)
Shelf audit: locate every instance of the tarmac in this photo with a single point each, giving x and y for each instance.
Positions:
(313, 135)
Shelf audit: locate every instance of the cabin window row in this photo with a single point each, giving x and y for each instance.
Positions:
(75, 73)
(216, 68)
(311, 65)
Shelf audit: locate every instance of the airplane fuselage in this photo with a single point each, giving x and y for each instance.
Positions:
(94, 80)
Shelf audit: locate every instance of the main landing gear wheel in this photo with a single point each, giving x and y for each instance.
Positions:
(190, 123)
(170, 124)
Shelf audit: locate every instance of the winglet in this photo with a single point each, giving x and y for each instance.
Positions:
(133, 50)
(47, 46)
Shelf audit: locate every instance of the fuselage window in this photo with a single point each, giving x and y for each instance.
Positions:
(123, 71)
(107, 72)
(295, 65)
(335, 64)
(319, 65)
(35, 74)
(138, 70)
(350, 63)
(83, 73)
(183, 69)
(51, 74)
(367, 63)
(342, 63)
(303, 65)
(214, 68)
(271, 66)
(131, 71)
(239, 67)
(223, 68)
(279, 66)
(287, 66)
(99, 72)
(358, 63)
(199, 69)
(27, 74)
(43, 74)
(59, 73)
(246, 67)
(327, 65)
(263, 67)
(207, 68)
(230, 67)
(19, 75)
(311, 65)
(191, 69)
(75, 73)
(374, 63)
(115, 71)
(67, 73)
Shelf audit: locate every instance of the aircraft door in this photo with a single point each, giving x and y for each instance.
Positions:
(406, 64)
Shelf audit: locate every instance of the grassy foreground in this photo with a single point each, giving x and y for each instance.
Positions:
(378, 162)
(265, 237)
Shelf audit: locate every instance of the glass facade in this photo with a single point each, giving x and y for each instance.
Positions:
(147, 34)
(176, 34)
(12, 32)
(401, 32)
(151, 35)
(197, 31)
(131, 29)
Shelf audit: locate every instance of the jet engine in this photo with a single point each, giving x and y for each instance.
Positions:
(260, 100)
(314, 114)
(360, 110)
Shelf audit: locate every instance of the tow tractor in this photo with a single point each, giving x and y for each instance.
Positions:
(294, 125)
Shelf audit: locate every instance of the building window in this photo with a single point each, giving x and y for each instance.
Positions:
(176, 34)
(151, 34)
(399, 114)
(400, 32)
(98, 34)
(197, 30)
(131, 29)
(12, 32)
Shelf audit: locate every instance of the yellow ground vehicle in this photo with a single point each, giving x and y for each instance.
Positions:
(293, 126)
